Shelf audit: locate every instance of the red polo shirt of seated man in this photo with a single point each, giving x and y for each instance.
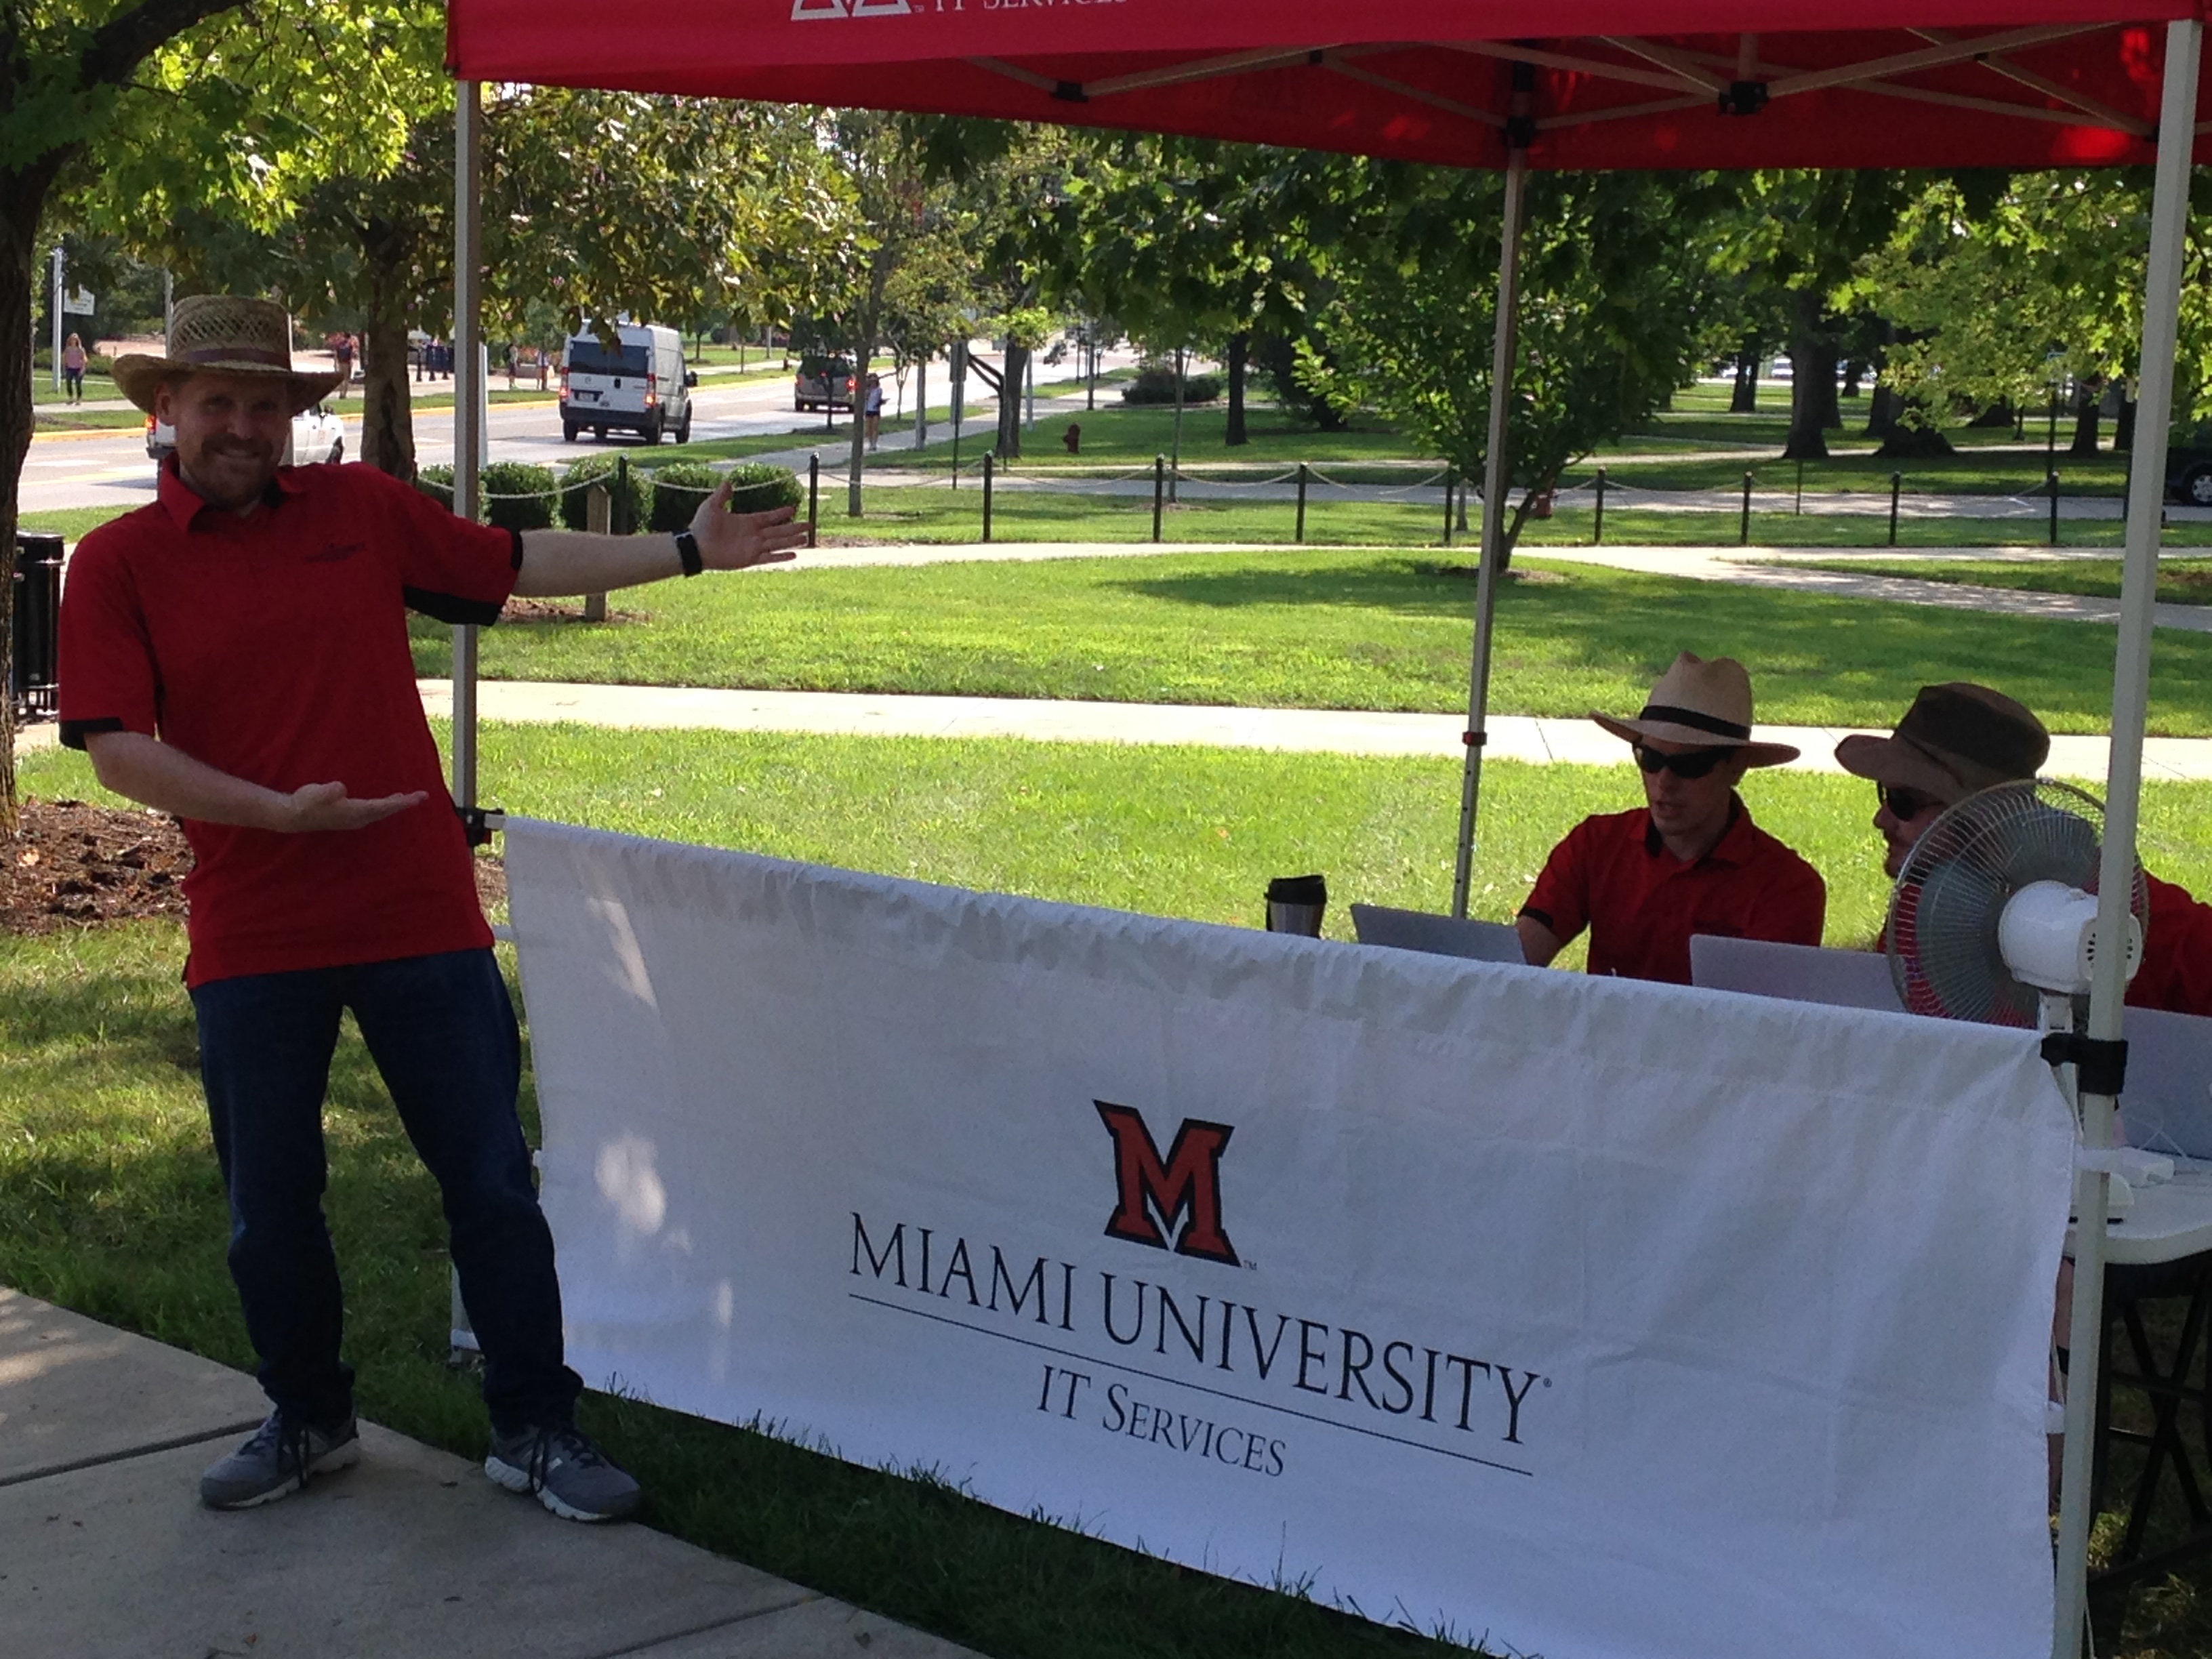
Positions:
(275, 647)
(1614, 875)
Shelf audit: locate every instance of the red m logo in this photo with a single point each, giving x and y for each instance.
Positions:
(1188, 1186)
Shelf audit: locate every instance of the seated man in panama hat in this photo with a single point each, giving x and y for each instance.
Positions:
(1689, 861)
(1960, 738)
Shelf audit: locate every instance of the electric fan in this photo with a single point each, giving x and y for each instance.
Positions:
(1994, 917)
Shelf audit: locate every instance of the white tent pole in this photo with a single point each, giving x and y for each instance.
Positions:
(1494, 487)
(468, 415)
(2169, 219)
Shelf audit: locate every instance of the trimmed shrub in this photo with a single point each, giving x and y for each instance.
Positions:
(576, 487)
(756, 486)
(518, 495)
(1156, 384)
(436, 483)
(677, 489)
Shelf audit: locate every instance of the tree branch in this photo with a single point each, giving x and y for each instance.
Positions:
(127, 39)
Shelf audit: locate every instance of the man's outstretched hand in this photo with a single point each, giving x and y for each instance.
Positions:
(735, 541)
(321, 806)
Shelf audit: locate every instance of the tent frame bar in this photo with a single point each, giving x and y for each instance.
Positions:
(1496, 483)
(2169, 225)
(1702, 75)
(468, 436)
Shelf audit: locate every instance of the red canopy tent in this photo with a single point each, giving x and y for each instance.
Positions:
(1606, 84)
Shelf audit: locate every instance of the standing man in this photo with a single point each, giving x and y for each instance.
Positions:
(1960, 738)
(1691, 861)
(236, 654)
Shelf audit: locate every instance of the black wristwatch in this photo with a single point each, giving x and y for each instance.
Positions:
(687, 549)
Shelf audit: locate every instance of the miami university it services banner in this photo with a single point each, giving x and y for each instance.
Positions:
(1596, 1317)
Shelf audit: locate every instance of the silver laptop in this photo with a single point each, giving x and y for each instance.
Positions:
(2167, 1105)
(1798, 973)
(1442, 936)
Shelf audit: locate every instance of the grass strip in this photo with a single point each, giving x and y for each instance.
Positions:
(2180, 581)
(1323, 629)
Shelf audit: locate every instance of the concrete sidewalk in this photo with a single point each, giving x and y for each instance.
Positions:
(1511, 737)
(106, 1551)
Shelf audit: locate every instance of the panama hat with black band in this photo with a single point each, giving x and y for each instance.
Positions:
(1700, 704)
(222, 334)
(1956, 739)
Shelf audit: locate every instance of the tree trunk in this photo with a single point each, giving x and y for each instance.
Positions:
(21, 203)
(1881, 413)
(864, 350)
(1009, 447)
(1744, 399)
(1813, 408)
(2086, 396)
(1240, 347)
(1854, 372)
(2123, 428)
(387, 415)
(1997, 415)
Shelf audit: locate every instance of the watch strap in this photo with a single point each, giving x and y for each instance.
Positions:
(687, 549)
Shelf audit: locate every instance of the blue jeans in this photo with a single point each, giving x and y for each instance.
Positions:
(442, 1033)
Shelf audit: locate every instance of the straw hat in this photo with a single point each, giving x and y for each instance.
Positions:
(1705, 704)
(221, 333)
(1955, 740)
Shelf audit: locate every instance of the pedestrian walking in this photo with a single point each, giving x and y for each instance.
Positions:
(872, 406)
(73, 370)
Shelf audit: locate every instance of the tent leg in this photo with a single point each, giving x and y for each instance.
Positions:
(1494, 489)
(468, 410)
(2184, 44)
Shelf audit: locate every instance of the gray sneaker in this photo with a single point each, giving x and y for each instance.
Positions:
(566, 1471)
(277, 1460)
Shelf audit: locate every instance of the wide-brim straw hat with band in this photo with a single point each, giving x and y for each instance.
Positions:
(222, 334)
(1955, 740)
(1704, 704)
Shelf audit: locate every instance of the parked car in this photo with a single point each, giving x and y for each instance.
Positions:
(318, 435)
(2189, 466)
(634, 382)
(824, 383)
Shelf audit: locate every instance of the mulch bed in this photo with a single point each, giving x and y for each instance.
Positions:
(75, 865)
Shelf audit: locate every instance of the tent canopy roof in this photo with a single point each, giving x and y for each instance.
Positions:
(1614, 84)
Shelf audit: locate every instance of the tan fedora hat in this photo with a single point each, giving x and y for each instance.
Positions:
(1704, 704)
(1955, 740)
(221, 334)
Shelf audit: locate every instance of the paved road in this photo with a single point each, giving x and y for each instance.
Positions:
(68, 469)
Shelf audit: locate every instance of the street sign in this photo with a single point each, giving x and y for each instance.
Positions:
(80, 302)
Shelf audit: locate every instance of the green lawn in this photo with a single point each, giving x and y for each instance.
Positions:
(2180, 581)
(114, 1208)
(45, 393)
(72, 522)
(1129, 434)
(63, 418)
(1322, 629)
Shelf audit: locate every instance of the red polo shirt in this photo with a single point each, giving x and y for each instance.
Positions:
(2177, 966)
(274, 647)
(1614, 875)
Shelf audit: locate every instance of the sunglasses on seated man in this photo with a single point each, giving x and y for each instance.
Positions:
(1693, 763)
(1903, 804)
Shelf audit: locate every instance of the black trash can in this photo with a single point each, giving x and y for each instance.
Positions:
(33, 680)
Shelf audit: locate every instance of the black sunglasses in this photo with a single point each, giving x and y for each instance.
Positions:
(1694, 764)
(1904, 802)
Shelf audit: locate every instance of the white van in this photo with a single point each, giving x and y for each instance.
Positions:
(636, 382)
